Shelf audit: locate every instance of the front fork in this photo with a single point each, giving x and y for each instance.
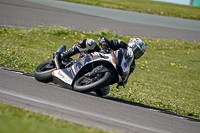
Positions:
(61, 49)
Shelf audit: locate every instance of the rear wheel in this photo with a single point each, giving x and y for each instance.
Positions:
(43, 71)
(87, 84)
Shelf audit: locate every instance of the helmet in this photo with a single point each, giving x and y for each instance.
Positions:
(138, 47)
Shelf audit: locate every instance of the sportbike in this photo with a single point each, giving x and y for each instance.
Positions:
(90, 72)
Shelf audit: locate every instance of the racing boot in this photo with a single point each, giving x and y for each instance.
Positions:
(85, 45)
(74, 50)
(67, 54)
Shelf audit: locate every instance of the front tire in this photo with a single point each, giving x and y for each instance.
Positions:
(43, 71)
(83, 84)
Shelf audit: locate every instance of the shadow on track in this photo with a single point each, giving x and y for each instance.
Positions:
(189, 117)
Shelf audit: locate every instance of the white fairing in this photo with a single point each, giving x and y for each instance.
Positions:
(63, 76)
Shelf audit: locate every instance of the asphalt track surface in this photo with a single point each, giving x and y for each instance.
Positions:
(85, 109)
(89, 109)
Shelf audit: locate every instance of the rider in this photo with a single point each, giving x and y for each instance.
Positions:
(136, 47)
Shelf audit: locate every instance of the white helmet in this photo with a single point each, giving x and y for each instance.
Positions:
(138, 47)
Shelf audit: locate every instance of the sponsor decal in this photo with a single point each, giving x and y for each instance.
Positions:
(63, 76)
(60, 75)
(125, 64)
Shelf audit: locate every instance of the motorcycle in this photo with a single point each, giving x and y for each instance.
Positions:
(90, 72)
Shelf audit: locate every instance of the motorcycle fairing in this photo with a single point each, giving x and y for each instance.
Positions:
(62, 76)
(68, 74)
(120, 55)
(124, 68)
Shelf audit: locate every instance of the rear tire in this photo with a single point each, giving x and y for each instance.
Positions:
(43, 72)
(101, 82)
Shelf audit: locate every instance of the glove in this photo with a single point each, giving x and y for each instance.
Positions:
(103, 42)
(123, 83)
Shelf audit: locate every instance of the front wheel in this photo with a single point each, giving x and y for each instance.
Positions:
(87, 84)
(43, 71)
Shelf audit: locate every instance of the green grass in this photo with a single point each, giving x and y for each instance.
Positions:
(147, 6)
(16, 120)
(166, 76)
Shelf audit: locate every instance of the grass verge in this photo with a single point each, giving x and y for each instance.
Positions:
(16, 120)
(166, 77)
(147, 6)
